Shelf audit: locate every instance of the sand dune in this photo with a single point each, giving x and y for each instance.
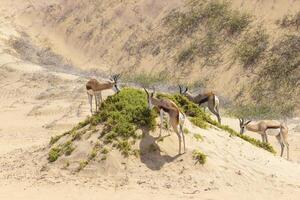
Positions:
(37, 103)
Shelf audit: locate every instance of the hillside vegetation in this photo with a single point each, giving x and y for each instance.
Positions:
(246, 59)
(122, 121)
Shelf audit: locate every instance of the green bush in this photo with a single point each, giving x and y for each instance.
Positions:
(55, 152)
(199, 157)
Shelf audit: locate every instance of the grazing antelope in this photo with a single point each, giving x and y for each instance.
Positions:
(94, 88)
(262, 126)
(209, 97)
(176, 117)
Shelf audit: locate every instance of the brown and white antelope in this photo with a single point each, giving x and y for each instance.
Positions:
(262, 126)
(176, 117)
(94, 88)
(212, 100)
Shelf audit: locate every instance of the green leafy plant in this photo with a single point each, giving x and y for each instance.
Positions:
(199, 157)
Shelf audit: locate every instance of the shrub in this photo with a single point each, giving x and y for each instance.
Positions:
(290, 21)
(188, 54)
(55, 152)
(199, 157)
(251, 47)
(198, 137)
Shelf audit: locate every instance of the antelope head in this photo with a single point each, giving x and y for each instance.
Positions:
(115, 79)
(243, 124)
(183, 90)
(149, 98)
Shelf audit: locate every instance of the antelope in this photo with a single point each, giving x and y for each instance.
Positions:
(209, 97)
(94, 88)
(262, 126)
(176, 117)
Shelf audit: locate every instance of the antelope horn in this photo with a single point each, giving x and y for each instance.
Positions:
(146, 92)
(180, 89)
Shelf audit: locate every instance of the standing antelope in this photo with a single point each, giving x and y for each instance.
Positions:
(94, 88)
(262, 126)
(209, 97)
(176, 117)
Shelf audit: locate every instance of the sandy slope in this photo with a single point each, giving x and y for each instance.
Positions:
(36, 103)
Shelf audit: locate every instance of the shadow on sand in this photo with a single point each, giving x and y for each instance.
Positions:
(150, 153)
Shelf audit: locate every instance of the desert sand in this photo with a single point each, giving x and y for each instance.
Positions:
(37, 103)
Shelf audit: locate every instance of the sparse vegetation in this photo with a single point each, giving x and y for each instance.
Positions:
(198, 137)
(279, 78)
(249, 50)
(188, 54)
(146, 79)
(290, 21)
(214, 15)
(199, 157)
(55, 152)
(254, 111)
(214, 19)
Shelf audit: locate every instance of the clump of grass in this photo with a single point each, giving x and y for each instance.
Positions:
(55, 152)
(199, 157)
(186, 131)
(188, 54)
(148, 79)
(249, 50)
(94, 152)
(290, 21)
(124, 147)
(198, 137)
(82, 165)
(105, 150)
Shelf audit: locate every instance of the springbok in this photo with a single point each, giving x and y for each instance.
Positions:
(212, 100)
(94, 88)
(262, 126)
(176, 117)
